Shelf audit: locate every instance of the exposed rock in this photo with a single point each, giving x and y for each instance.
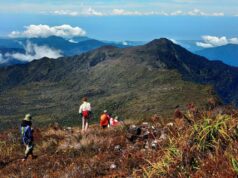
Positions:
(147, 145)
(133, 133)
(117, 148)
(113, 166)
(154, 144)
(170, 124)
(145, 124)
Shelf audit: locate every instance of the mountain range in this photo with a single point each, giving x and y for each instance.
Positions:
(227, 53)
(65, 47)
(22, 50)
(134, 82)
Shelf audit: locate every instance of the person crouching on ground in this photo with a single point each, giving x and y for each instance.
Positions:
(114, 121)
(104, 119)
(85, 112)
(27, 136)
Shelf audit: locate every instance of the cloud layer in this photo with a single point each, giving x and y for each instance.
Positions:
(214, 41)
(125, 12)
(84, 12)
(194, 12)
(34, 31)
(65, 12)
(99, 7)
(32, 52)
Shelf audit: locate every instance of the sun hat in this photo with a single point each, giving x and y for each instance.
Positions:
(27, 117)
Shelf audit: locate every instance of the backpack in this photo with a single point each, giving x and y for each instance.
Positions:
(26, 135)
(104, 120)
(85, 114)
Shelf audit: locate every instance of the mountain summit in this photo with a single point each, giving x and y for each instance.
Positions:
(133, 82)
(160, 42)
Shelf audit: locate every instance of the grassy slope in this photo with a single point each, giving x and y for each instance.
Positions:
(205, 148)
(140, 95)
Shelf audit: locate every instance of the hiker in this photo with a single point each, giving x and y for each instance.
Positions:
(85, 112)
(114, 121)
(105, 120)
(27, 136)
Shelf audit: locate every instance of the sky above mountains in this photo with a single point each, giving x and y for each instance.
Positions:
(140, 20)
(120, 7)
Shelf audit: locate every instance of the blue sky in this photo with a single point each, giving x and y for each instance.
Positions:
(228, 7)
(126, 19)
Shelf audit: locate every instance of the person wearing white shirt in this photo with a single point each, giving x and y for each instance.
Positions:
(85, 112)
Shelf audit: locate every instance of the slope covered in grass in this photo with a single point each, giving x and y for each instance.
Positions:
(200, 144)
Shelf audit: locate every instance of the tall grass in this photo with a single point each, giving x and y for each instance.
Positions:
(200, 149)
(170, 156)
(234, 164)
(209, 133)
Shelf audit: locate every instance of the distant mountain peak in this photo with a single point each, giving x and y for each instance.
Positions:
(160, 42)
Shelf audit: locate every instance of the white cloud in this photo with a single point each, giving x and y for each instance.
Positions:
(163, 13)
(33, 51)
(72, 41)
(218, 14)
(92, 12)
(179, 12)
(65, 12)
(89, 11)
(136, 13)
(2, 60)
(174, 41)
(228, 6)
(125, 43)
(125, 12)
(83, 12)
(213, 41)
(194, 12)
(234, 40)
(204, 45)
(46, 31)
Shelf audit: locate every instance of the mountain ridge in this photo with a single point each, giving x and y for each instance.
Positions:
(133, 82)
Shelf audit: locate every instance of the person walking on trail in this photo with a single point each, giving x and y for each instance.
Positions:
(27, 136)
(105, 119)
(85, 112)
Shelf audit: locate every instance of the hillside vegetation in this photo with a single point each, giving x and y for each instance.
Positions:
(199, 144)
(132, 83)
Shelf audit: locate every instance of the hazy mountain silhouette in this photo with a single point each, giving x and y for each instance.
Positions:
(227, 54)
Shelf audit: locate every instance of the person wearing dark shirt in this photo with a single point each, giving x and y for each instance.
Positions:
(27, 136)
